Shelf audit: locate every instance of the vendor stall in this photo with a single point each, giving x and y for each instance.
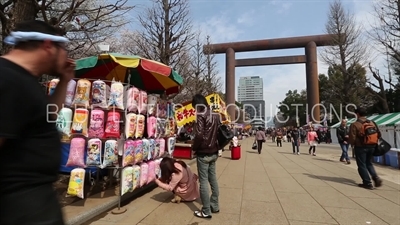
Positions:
(116, 117)
(185, 117)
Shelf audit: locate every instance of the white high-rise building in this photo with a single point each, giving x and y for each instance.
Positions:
(251, 95)
(250, 89)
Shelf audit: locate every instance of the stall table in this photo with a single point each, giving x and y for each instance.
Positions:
(183, 151)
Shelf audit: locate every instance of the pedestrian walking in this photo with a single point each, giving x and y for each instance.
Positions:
(29, 141)
(279, 137)
(364, 135)
(312, 139)
(205, 146)
(342, 133)
(259, 139)
(295, 134)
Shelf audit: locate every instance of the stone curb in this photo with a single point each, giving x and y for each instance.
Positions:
(108, 205)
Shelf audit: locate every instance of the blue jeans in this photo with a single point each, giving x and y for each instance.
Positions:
(345, 149)
(364, 163)
(206, 169)
(295, 146)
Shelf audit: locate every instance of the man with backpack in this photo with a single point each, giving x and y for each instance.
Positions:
(364, 135)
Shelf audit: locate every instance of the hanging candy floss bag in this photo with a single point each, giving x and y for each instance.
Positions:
(99, 94)
(142, 107)
(130, 125)
(128, 157)
(116, 99)
(76, 183)
(63, 123)
(80, 122)
(76, 157)
(144, 173)
(94, 152)
(110, 153)
(96, 127)
(151, 126)
(132, 101)
(82, 93)
(152, 101)
(151, 171)
(69, 97)
(140, 124)
(146, 149)
(127, 180)
(136, 176)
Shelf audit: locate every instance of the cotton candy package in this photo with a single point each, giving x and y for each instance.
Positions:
(82, 93)
(162, 109)
(80, 122)
(142, 107)
(76, 157)
(69, 96)
(130, 125)
(157, 168)
(52, 86)
(112, 125)
(94, 152)
(161, 144)
(99, 94)
(140, 125)
(76, 183)
(160, 127)
(144, 173)
(171, 146)
(63, 123)
(151, 126)
(96, 127)
(136, 176)
(128, 157)
(127, 180)
(146, 149)
(132, 101)
(151, 176)
(152, 102)
(116, 99)
(110, 153)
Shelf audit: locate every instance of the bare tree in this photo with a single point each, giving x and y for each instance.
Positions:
(166, 32)
(379, 91)
(347, 56)
(85, 22)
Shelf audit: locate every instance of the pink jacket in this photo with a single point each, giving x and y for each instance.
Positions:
(260, 135)
(183, 184)
(312, 136)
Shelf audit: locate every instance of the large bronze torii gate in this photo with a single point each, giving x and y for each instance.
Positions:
(310, 43)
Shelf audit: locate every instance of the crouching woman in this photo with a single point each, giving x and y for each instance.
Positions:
(177, 177)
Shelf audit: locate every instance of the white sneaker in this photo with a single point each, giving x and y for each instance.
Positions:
(298, 153)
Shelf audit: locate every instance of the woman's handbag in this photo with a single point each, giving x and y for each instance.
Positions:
(254, 147)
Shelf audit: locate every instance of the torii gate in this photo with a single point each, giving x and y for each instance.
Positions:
(310, 43)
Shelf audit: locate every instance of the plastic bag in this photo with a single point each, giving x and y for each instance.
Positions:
(112, 126)
(110, 153)
(52, 86)
(76, 157)
(64, 121)
(153, 149)
(69, 96)
(116, 99)
(76, 183)
(127, 180)
(140, 125)
(130, 125)
(82, 93)
(142, 107)
(151, 126)
(144, 173)
(152, 102)
(128, 157)
(136, 176)
(151, 171)
(99, 94)
(146, 149)
(96, 126)
(160, 127)
(94, 152)
(80, 122)
(132, 101)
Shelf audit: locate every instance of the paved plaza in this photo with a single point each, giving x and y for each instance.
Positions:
(277, 187)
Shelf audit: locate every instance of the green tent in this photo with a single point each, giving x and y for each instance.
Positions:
(382, 120)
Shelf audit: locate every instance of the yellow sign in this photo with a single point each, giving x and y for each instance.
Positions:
(187, 114)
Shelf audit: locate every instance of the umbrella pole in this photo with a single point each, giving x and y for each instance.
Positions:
(120, 209)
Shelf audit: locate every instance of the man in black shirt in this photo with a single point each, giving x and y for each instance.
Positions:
(29, 141)
(295, 140)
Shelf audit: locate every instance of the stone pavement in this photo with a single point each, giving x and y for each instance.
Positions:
(277, 187)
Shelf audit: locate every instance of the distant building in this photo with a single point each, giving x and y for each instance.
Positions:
(251, 96)
(250, 89)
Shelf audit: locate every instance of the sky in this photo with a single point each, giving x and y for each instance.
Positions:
(231, 21)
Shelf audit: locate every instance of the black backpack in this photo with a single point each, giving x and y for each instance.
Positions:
(224, 135)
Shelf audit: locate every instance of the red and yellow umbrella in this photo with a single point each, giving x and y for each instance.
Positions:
(142, 73)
